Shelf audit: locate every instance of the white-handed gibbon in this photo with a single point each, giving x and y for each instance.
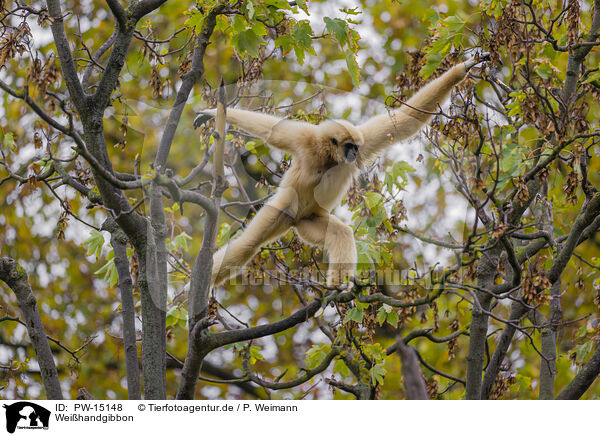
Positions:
(325, 158)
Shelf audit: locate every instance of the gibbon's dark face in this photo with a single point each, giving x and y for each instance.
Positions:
(342, 140)
(349, 148)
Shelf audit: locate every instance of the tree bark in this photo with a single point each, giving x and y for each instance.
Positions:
(583, 380)
(15, 277)
(132, 365)
(414, 382)
(516, 313)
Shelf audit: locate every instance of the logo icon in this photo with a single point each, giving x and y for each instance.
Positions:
(26, 415)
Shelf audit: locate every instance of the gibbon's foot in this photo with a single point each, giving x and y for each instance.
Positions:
(203, 117)
(480, 58)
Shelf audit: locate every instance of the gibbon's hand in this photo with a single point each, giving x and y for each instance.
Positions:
(480, 58)
(204, 116)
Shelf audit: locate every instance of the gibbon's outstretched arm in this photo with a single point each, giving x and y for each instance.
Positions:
(384, 130)
(287, 135)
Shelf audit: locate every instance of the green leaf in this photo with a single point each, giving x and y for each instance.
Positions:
(172, 209)
(196, 21)
(109, 272)
(454, 23)
(583, 350)
(171, 320)
(353, 11)
(524, 382)
(381, 315)
(374, 201)
(355, 314)
(376, 352)
(279, 4)
(183, 318)
(250, 9)
(95, 242)
(175, 315)
(433, 62)
(224, 234)
(259, 28)
(367, 252)
(515, 109)
(255, 354)
(375, 220)
(544, 70)
(251, 146)
(392, 318)
(286, 42)
(299, 40)
(353, 69)
(399, 169)
(510, 162)
(316, 354)
(222, 23)
(592, 77)
(238, 24)
(378, 372)
(247, 41)
(402, 168)
(341, 368)
(338, 29)
(302, 40)
(436, 53)
(387, 313)
(302, 5)
(9, 141)
(181, 241)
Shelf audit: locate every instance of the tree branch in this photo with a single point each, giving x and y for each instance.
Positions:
(110, 78)
(15, 277)
(96, 58)
(144, 7)
(548, 353)
(190, 79)
(204, 343)
(583, 380)
(67, 64)
(118, 241)
(577, 57)
(589, 213)
(517, 311)
(200, 279)
(306, 376)
(118, 12)
(414, 382)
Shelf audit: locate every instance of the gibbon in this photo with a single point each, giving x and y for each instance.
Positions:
(325, 159)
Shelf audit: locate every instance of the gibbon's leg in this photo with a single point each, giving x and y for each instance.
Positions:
(337, 239)
(286, 135)
(272, 220)
(384, 130)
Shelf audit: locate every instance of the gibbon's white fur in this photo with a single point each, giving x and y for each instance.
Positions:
(325, 158)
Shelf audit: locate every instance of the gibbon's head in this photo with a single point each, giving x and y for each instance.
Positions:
(341, 140)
